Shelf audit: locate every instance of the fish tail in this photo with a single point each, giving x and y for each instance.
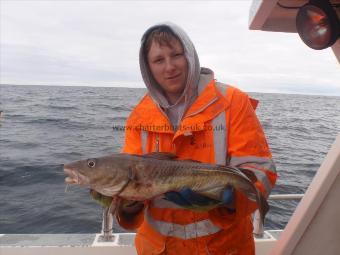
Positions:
(263, 207)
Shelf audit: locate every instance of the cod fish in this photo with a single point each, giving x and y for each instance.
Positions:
(143, 177)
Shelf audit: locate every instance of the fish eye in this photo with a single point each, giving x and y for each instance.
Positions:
(91, 163)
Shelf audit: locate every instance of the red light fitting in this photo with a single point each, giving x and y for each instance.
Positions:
(318, 24)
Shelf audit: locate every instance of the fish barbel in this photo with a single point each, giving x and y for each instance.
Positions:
(143, 177)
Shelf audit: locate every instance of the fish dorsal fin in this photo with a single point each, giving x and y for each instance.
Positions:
(160, 155)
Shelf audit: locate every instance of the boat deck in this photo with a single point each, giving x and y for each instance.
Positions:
(84, 244)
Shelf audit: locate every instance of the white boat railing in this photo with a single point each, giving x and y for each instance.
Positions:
(107, 236)
(257, 224)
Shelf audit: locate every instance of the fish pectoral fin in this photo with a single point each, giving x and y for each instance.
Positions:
(160, 155)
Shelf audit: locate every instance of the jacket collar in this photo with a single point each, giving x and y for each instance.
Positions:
(208, 105)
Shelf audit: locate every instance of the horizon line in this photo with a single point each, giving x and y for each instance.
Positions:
(132, 87)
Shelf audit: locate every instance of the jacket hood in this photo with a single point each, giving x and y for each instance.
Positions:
(190, 91)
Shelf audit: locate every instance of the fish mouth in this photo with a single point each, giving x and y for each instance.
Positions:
(74, 177)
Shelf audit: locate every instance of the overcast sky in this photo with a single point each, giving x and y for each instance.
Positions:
(96, 43)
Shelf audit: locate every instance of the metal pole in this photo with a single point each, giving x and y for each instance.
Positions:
(107, 226)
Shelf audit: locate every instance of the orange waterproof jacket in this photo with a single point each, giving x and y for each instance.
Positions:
(220, 127)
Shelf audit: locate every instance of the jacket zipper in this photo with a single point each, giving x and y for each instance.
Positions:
(157, 143)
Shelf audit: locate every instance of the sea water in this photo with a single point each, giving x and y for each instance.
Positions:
(43, 127)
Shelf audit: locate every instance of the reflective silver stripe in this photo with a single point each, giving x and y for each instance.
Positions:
(262, 162)
(222, 87)
(144, 136)
(220, 142)
(189, 231)
(220, 131)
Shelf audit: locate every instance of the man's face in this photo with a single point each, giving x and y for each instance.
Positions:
(168, 66)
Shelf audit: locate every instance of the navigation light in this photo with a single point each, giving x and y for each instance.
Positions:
(318, 24)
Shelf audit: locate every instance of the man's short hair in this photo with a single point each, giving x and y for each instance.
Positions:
(162, 35)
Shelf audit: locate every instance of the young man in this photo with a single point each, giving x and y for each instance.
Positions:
(187, 113)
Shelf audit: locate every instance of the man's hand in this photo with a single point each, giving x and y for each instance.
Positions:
(191, 200)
